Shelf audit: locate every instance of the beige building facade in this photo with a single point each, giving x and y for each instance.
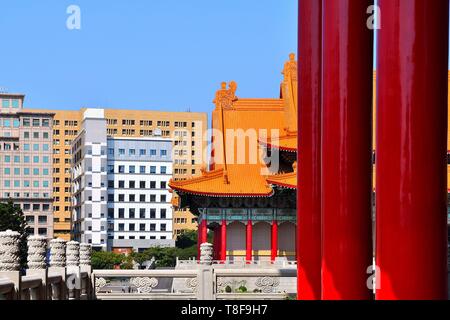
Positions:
(26, 162)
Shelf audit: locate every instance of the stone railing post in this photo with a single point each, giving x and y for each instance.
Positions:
(57, 266)
(85, 266)
(10, 259)
(37, 266)
(205, 277)
(73, 269)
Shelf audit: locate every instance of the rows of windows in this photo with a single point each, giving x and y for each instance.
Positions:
(140, 152)
(25, 147)
(7, 103)
(136, 184)
(133, 237)
(133, 213)
(28, 195)
(35, 207)
(25, 171)
(135, 198)
(32, 220)
(25, 183)
(35, 135)
(25, 158)
(139, 227)
(137, 169)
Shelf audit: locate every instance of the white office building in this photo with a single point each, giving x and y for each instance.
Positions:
(121, 200)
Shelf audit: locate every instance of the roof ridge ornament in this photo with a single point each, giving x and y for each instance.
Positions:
(290, 68)
(225, 97)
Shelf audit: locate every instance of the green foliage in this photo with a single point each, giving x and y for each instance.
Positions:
(242, 289)
(12, 218)
(165, 257)
(186, 239)
(107, 260)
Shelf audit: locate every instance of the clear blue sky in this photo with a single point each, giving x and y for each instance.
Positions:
(144, 54)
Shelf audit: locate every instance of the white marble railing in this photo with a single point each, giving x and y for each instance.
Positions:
(41, 280)
(68, 276)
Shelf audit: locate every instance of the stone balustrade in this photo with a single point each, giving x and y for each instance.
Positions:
(61, 277)
(66, 274)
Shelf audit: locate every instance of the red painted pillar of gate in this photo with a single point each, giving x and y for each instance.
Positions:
(274, 250)
(308, 246)
(223, 242)
(411, 150)
(249, 241)
(346, 149)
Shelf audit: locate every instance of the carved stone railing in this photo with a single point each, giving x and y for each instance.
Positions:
(41, 280)
(67, 275)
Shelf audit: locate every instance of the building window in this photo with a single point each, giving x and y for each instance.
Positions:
(163, 227)
(142, 198)
(121, 213)
(142, 184)
(163, 170)
(163, 213)
(132, 152)
(152, 227)
(163, 153)
(142, 213)
(141, 169)
(152, 213)
(153, 152)
(152, 169)
(132, 169)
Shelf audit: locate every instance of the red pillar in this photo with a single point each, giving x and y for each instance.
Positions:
(223, 242)
(274, 250)
(411, 158)
(308, 244)
(249, 242)
(346, 149)
(204, 235)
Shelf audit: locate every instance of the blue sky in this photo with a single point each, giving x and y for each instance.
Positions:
(144, 54)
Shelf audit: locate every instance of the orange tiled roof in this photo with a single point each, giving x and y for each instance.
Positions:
(285, 180)
(256, 119)
(242, 181)
(286, 142)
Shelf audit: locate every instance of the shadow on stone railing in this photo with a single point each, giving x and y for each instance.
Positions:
(66, 276)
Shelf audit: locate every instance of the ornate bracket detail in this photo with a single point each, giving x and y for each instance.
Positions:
(99, 284)
(192, 283)
(267, 284)
(144, 284)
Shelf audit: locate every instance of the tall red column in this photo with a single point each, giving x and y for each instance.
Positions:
(223, 241)
(308, 246)
(346, 149)
(249, 241)
(204, 231)
(274, 250)
(411, 164)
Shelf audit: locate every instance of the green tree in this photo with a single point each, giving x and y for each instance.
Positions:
(106, 260)
(12, 218)
(186, 239)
